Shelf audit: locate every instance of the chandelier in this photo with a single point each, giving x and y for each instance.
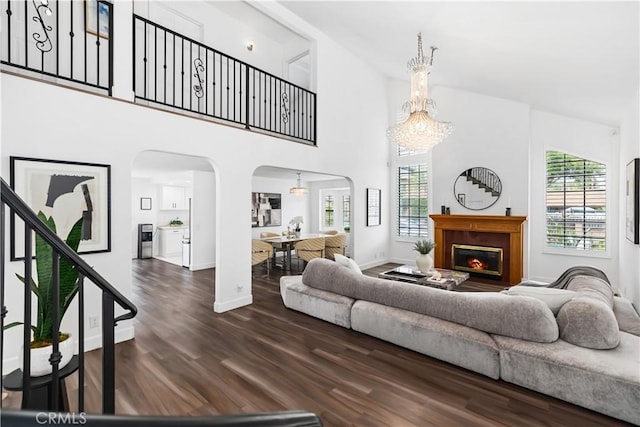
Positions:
(420, 131)
(299, 190)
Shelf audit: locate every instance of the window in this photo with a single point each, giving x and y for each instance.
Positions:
(346, 211)
(576, 202)
(413, 209)
(328, 211)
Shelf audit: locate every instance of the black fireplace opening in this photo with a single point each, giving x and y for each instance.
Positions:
(484, 261)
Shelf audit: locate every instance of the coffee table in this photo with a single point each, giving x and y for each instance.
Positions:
(410, 274)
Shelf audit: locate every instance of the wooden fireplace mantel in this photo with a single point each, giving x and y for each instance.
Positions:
(511, 225)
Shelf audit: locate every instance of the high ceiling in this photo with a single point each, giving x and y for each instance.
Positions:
(576, 58)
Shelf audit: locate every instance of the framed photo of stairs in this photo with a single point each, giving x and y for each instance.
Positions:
(632, 193)
(68, 192)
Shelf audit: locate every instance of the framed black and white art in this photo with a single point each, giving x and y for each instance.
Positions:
(67, 191)
(373, 206)
(266, 209)
(632, 193)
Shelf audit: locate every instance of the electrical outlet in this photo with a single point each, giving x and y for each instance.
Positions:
(94, 321)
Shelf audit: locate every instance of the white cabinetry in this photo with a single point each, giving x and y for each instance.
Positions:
(171, 241)
(173, 198)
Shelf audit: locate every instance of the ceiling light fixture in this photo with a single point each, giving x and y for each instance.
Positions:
(420, 131)
(299, 190)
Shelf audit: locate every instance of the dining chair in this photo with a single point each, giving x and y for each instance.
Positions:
(277, 247)
(261, 252)
(335, 245)
(308, 249)
(330, 232)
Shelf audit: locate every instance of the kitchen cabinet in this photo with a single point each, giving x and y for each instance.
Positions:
(171, 240)
(173, 198)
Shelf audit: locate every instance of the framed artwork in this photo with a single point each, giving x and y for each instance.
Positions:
(266, 209)
(632, 192)
(68, 192)
(373, 206)
(145, 203)
(97, 17)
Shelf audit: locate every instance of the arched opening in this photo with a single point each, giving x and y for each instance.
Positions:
(173, 211)
(323, 203)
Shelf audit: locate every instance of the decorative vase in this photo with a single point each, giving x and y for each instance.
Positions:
(297, 234)
(424, 263)
(40, 365)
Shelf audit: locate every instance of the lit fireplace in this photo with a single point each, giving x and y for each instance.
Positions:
(477, 259)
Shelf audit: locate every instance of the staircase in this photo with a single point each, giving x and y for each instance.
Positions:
(51, 397)
(484, 179)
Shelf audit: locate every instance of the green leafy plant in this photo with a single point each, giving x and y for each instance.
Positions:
(68, 280)
(424, 246)
(176, 221)
(347, 228)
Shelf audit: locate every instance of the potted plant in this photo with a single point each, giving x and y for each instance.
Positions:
(176, 222)
(347, 228)
(295, 224)
(42, 331)
(424, 261)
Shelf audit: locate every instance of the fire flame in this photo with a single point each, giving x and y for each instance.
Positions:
(476, 264)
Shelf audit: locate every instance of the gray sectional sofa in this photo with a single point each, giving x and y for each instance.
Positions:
(589, 354)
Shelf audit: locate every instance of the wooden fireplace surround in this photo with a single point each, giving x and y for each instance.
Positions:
(498, 226)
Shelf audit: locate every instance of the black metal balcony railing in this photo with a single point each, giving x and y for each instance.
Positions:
(67, 40)
(176, 71)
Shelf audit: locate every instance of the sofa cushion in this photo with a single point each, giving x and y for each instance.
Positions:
(588, 322)
(324, 305)
(520, 317)
(593, 287)
(628, 319)
(607, 381)
(553, 297)
(458, 344)
(347, 262)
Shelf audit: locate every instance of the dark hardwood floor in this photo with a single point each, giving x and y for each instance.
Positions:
(186, 359)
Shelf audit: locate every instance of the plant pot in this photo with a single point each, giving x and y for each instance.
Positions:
(40, 365)
(424, 263)
(297, 234)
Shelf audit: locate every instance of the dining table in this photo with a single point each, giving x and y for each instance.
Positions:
(287, 243)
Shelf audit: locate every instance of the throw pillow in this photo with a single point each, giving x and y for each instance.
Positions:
(554, 298)
(347, 262)
(588, 322)
(628, 319)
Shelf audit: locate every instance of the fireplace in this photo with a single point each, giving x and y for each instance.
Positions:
(485, 231)
(483, 260)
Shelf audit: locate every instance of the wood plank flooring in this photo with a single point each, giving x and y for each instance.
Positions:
(186, 359)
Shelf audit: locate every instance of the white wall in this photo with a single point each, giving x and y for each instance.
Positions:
(221, 30)
(629, 259)
(203, 221)
(587, 140)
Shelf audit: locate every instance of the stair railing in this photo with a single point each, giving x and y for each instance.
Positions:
(110, 297)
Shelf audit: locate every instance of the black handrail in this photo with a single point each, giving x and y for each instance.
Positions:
(273, 419)
(58, 41)
(60, 250)
(173, 70)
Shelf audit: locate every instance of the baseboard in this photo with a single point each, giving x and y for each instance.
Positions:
(125, 334)
(121, 335)
(372, 264)
(221, 307)
(203, 266)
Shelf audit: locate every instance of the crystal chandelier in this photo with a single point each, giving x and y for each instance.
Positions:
(299, 190)
(420, 131)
